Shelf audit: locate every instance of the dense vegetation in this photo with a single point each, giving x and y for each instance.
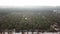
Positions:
(30, 20)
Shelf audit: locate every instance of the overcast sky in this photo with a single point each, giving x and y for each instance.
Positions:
(21, 3)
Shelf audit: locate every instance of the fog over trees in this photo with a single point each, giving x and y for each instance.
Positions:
(30, 19)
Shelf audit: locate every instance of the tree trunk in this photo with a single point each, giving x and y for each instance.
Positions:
(0, 32)
(10, 32)
(27, 32)
(22, 32)
(32, 32)
(3, 32)
(37, 32)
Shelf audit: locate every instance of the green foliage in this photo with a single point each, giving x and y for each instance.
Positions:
(35, 21)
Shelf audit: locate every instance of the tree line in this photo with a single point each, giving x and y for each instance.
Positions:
(35, 22)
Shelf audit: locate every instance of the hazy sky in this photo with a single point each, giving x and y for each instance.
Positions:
(29, 3)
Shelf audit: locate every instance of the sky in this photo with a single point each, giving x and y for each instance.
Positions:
(22, 3)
